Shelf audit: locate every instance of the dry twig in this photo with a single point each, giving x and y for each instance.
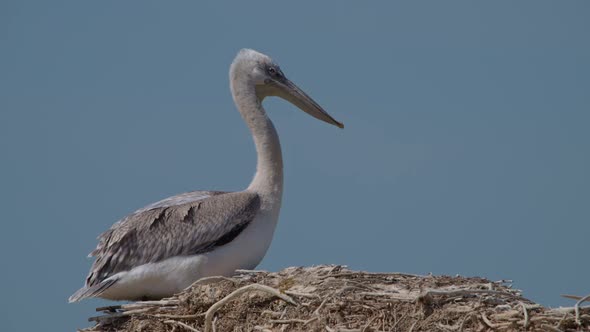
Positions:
(213, 309)
(577, 308)
(526, 315)
(175, 322)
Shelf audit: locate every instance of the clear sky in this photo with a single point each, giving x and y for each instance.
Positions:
(466, 148)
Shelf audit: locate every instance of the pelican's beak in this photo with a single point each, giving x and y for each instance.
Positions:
(291, 92)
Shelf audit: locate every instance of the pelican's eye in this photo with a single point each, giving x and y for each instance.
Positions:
(274, 72)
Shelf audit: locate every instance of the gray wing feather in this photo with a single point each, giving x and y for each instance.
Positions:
(180, 199)
(186, 224)
(94, 290)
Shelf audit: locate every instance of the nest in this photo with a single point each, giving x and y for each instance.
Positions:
(334, 298)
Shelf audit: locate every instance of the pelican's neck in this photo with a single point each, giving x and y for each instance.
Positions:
(268, 181)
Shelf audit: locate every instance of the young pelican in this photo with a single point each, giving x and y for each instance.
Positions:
(163, 248)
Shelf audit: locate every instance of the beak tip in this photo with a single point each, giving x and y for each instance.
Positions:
(340, 125)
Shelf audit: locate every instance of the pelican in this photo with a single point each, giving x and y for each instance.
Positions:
(163, 248)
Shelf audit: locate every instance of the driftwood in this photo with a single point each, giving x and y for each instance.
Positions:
(333, 298)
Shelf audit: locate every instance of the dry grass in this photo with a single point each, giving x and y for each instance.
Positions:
(333, 298)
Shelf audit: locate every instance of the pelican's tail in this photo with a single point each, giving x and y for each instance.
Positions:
(92, 291)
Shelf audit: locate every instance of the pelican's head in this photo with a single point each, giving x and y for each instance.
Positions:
(261, 71)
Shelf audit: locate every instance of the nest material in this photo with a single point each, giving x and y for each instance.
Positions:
(333, 298)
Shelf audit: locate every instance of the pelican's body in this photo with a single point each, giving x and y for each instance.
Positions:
(164, 247)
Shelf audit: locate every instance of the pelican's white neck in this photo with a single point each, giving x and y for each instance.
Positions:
(268, 181)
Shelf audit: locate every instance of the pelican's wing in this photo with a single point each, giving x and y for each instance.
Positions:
(181, 225)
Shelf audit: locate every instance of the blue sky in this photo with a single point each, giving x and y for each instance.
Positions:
(466, 148)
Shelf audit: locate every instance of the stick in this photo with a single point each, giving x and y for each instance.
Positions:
(250, 271)
(468, 317)
(187, 317)
(215, 307)
(577, 308)
(294, 320)
(487, 321)
(309, 295)
(215, 324)
(317, 311)
(109, 308)
(369, 323)
(526, 315)
(551, 328)
(573, 297)
(465, 292)
(190, 328)
(211, 280)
